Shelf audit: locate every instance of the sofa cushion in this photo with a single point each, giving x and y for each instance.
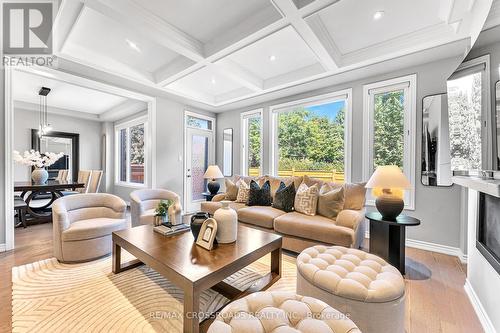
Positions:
(243, 192)
(330, 201)
(259, 195)
(317, 228)
(285, 197)
(92, 228)
(355, 195)
(231, 190)
(262, 216)
(309, 181)
(306, 199)
(211, 206)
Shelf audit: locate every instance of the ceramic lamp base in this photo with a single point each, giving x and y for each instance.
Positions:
(213, 187)
(389, 206)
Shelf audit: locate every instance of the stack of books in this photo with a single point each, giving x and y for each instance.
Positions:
(167, 229)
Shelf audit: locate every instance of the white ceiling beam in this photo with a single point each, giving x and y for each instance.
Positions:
(174, 70)
(294, 16)
(123, 110)
(65, 20)
(149, 25)
(28, 106)
(233, 71)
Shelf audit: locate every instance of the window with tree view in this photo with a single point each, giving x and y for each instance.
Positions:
(252, 143)
(131, 153)
(310, 140)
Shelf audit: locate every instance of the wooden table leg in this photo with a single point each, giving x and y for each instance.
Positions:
(191, 310)
(117, 258)
(276, 262)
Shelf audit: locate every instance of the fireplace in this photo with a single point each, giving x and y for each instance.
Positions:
(488, 229)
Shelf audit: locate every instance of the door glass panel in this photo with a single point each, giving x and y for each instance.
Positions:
(137, 154)
(199, 164)
(464, 107)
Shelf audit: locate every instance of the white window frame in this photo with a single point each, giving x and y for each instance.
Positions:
(345, 95)
(126, 125)
(188, 113)
(407, 83)
(244, 116)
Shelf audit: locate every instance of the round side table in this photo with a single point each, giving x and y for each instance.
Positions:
(387, 237)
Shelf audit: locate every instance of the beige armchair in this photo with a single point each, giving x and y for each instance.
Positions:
(82, 225)
(143, 204)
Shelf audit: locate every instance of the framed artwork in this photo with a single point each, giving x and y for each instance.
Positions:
(207, 234)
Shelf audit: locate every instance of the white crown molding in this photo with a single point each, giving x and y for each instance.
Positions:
(32, 107)
(478, 308)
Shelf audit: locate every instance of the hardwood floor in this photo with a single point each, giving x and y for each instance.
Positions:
(436, 300)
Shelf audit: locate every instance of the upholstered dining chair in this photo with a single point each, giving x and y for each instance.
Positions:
(84, 176)
(95, 181)
(82, 225)
(62, 175)
(143, 204)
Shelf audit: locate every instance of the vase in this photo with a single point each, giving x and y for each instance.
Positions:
(227, 223)
(196, 223)
(39, 176)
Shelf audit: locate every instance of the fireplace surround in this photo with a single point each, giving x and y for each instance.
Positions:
(488, 229)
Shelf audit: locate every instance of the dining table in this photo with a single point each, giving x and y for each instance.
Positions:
(49, 192)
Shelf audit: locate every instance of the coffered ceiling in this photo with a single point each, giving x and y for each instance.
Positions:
(220, 52)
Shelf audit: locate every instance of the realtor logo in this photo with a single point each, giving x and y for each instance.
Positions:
(27, 28)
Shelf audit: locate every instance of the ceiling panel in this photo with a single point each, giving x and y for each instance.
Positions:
(207, 20)
(278, 54)
(63, 95)
(111, 40)
(352, 26)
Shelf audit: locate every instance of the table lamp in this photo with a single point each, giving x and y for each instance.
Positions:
(213, 172)
(388, 183)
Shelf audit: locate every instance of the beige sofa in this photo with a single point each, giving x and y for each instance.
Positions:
(301, 231)
(82, 225)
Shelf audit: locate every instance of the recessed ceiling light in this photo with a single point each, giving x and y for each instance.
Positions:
(272, 57)
(213, 81)
(133, 45)
(378, 15)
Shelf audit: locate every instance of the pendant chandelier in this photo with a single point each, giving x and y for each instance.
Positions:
(43, 126)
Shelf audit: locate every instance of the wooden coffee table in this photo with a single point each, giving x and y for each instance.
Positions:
(194, 269)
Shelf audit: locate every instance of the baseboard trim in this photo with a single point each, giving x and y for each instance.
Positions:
(3, 247)
(478, 308)
(433, 247)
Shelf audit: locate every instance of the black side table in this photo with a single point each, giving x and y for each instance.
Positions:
(387, 238)
(209, 196)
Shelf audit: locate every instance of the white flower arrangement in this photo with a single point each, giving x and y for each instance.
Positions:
(36, 159)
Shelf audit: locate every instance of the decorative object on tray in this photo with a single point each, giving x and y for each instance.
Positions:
(162, 211)
(38, 161)
(197, 221)
(169, 229)
(227, 223)
(213, 172)
(388, 183)
(207, 234)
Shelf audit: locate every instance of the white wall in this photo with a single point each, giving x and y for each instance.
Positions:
(437, 207)
(90, 138)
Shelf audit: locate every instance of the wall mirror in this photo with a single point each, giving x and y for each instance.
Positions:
(56, 142)
(436, 157)
(227, 166)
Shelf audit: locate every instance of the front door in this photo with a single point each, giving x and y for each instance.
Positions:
(199, 155)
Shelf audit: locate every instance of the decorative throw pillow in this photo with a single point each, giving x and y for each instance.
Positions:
(309, 181)
(330, 200)
(231, 190)
(243, 192)
(259, 196)
(284, 198)
(306, 199)
(355, 195)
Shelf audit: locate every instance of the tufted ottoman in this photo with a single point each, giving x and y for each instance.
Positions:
(280, 312)
(357, 283)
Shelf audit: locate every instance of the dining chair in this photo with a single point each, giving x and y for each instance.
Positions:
(95, 181)
(62, 175)
(84, 177)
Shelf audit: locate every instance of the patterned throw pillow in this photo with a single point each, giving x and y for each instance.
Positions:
(259, 196)
(284, 198)
(243, 192)
(330, 200)
(231, 190)
(306, 199)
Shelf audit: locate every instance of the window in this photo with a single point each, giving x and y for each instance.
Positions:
(251, 125)
(312, 136)
(131, 152)
(467, 106)
(198, 122)
(389, 129)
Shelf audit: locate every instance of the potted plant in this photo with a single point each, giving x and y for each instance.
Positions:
(39, 162)
(161, 211)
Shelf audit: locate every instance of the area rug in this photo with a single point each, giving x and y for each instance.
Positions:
(48, 296)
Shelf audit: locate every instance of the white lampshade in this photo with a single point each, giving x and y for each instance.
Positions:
(213, 172)
(388, 177)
